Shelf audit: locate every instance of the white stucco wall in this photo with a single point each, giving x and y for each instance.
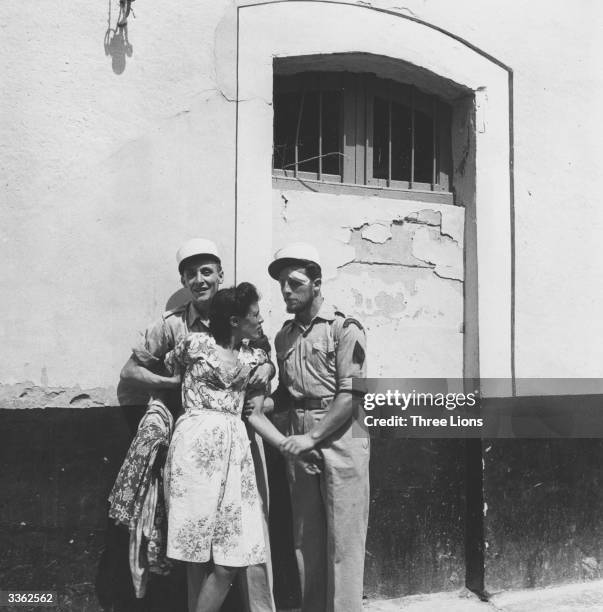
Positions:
(554, 49)
(105, 174)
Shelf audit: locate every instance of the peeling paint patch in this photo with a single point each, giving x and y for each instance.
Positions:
(394, 266)
(29, 395)
(343, 234)
(426, 217)
(284, 208)
(441, 252)
(376, 232)
(453, 226)
(383, 293)
(390, 305)
(395, 251)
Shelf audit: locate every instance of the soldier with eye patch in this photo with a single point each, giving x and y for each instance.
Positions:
(320, 351)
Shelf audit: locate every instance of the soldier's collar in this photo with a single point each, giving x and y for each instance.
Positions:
(193, 316)
(326, 312)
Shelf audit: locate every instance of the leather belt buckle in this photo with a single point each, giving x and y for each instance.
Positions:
(310, 403)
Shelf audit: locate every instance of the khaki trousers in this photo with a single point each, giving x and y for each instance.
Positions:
(330, 517)
(255, 582)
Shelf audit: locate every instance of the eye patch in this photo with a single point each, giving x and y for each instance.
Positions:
(298, 278)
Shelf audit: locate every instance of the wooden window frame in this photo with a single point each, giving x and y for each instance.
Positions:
(312, 81)
(356, 133)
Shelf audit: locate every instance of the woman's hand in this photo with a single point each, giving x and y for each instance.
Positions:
(297, 445)
(248, 408)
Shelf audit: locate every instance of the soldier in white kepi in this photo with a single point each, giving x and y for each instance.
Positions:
(200, 269)
(319, 352)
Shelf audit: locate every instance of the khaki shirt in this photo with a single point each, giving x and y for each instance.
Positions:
(159, 339)
(321, 359)
(163, 336)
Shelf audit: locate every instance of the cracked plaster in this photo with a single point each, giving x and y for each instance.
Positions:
(443, 253)
(412, 236)
(377, 233)
(392, 267)
(383, 292)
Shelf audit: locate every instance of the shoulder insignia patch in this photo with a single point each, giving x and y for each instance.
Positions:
(358, 355)
(351, 321)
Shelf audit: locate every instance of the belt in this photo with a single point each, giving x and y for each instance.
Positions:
(309, 403)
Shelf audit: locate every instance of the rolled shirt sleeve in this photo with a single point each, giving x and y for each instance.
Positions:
(155, 345)
(350, 355)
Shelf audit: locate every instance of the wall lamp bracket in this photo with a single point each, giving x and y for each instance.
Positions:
(125, 8)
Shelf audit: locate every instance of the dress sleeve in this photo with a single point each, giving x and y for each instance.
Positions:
(262, 343)
(259, 357)
(178, 356)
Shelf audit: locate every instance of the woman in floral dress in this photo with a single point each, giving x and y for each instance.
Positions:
(214, 509)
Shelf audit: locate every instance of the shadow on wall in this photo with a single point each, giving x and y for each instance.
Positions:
(116, 41)
(130, 397)
(179, 298)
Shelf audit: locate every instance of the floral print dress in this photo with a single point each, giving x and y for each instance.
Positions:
(214, 509)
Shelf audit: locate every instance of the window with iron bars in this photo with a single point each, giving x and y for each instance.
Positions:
(358, 129)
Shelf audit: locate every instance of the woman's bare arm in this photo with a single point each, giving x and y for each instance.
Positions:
(260, 422)
(259, 405)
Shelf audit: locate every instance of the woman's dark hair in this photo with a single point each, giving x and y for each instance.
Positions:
(231, 302)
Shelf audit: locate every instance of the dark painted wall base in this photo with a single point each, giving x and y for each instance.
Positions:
(428, 530)
(59, 465)
(543, 521)
(416, 527)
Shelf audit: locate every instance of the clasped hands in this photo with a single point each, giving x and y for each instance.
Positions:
(301, 448)
(298, 447)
